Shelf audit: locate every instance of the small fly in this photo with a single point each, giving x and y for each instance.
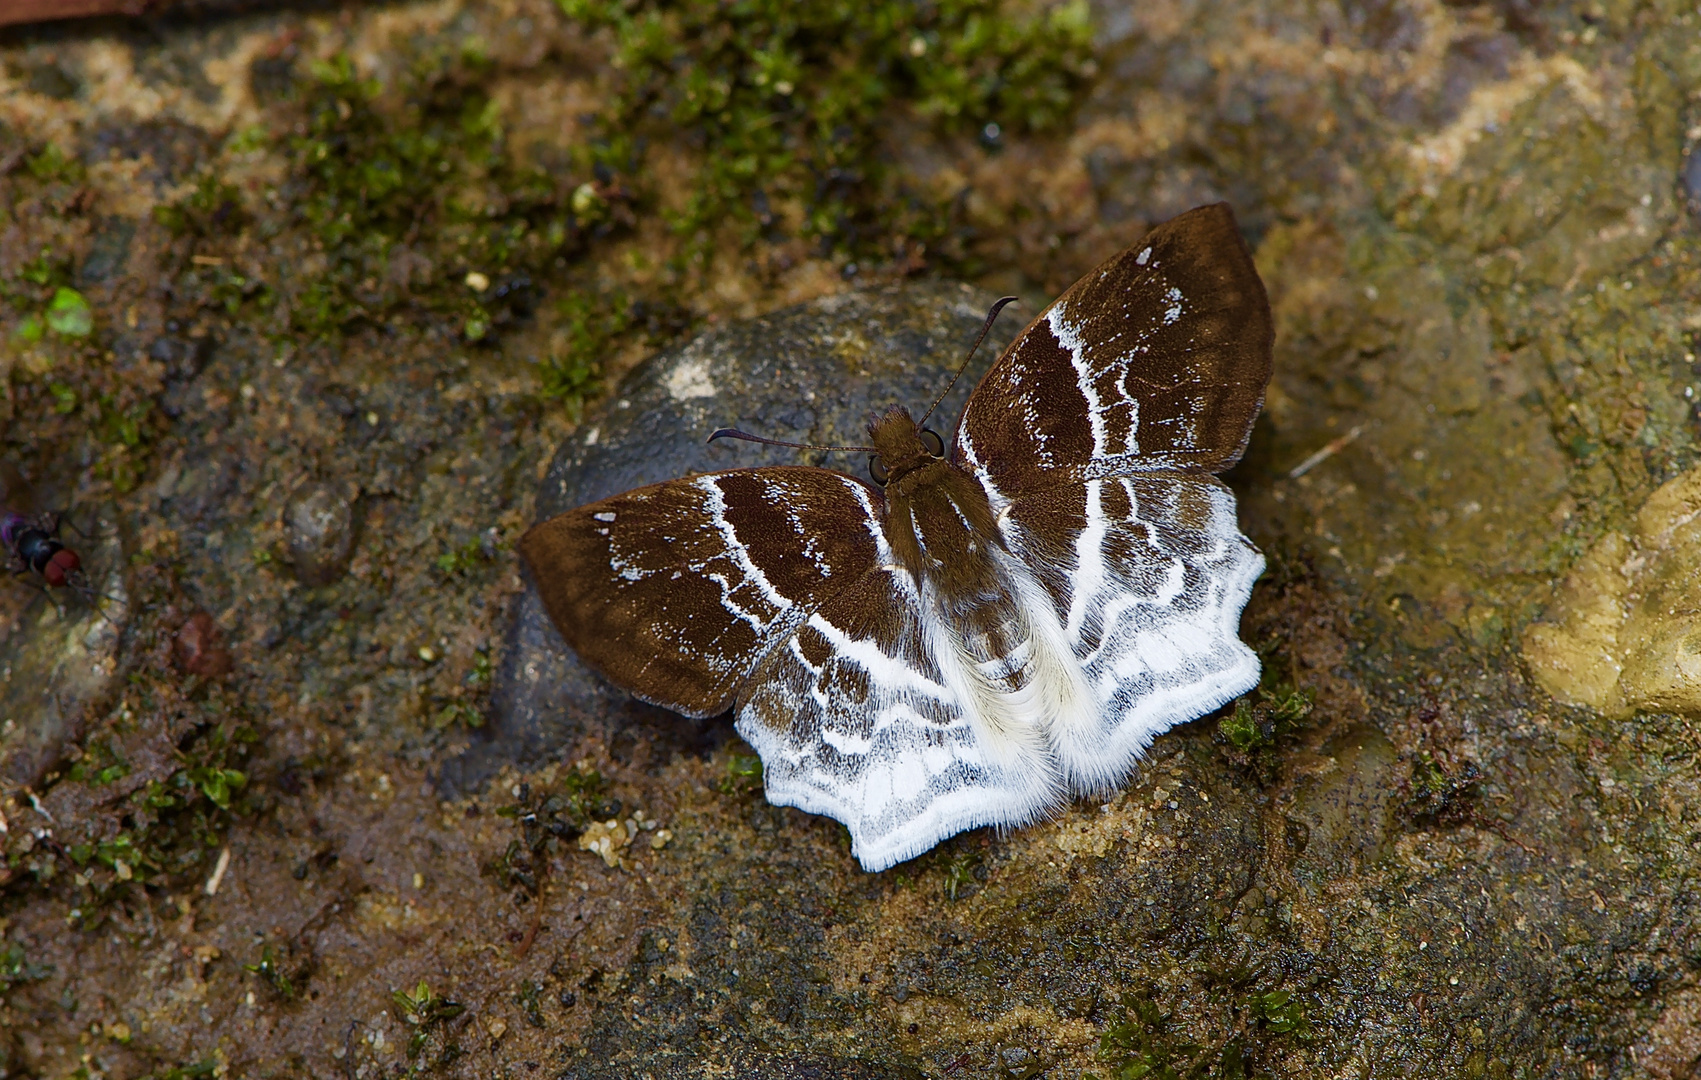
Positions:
(33, 546)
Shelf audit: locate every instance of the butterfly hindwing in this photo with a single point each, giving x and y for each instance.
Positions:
(854, 719)
(675, 591)
(1157, 359)
(1149, 574)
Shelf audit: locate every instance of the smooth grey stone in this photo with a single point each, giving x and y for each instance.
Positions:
(810, 373)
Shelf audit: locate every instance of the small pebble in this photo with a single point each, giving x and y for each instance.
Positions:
(477, 282)
(199, 649)
(320, 524)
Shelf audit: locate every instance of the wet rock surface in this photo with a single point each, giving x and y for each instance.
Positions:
(334, 827)
(58, 656)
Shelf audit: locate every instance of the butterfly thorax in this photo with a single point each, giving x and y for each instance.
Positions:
(939, 522)
(942, 529)
(897, 441)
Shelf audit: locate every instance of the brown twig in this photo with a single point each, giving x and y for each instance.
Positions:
(16, 12)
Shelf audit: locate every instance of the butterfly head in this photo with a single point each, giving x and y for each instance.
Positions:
(900, 445)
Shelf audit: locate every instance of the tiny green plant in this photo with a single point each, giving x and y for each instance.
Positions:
(213, 206)
(461, 559)
(1442, 795)
(1252, 731)
(1140, 1046)
(529, 997)
(960, 872)
(1278, 1011)
(52, 164)
(591, 323)
(423, 1010)
(407, 163)
(219, 785)
(457, 713)
(544, 817)
(482, 669)
(743, 774)
(69, 314)
(271, 967)
(171, 826)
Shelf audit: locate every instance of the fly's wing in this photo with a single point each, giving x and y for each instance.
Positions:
(1158, 359)
(675, 591)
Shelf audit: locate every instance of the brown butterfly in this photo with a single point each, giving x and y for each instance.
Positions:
(997, 625)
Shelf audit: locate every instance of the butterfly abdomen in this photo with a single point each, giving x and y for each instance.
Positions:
(994, 635)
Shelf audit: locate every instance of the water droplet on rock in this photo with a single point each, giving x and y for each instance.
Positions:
(320, 521)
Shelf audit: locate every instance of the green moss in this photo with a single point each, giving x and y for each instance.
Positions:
(1260, 722)
(1440, 794)
(68, 314)
(165, 829)
(791, 102)
(65, 313)
(53, 164)
(16, 967)
(100, 765)
(1280, 1013)
(960, 872)
(422, 164)
(212, 208)
(1139, 1045)
(592, 322)
(460, 560)
(46, 269)
(529, 997)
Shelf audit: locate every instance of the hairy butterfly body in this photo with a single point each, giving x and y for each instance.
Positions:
(1001, 626)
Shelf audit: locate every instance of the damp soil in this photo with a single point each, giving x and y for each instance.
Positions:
(265, 816)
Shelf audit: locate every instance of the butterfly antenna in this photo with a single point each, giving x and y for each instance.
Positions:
(734, 433)
(991, 317)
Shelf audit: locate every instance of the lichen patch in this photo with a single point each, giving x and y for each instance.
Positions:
(1625, 632)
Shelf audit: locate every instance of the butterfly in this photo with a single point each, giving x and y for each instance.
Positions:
(987, 629)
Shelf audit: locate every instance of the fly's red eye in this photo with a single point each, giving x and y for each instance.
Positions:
(877, 469)
(53, 573)
(67, 560)
(931, 440)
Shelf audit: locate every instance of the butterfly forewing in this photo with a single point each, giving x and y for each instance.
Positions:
(1157, 359)
(675, 590)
